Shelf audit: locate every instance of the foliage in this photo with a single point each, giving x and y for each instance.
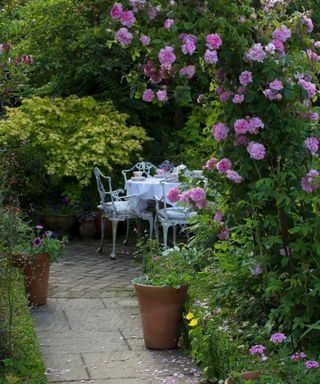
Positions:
(74, 134)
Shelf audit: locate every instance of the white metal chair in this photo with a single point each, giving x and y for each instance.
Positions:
(169, 216)
(118, 208)
(143, 166)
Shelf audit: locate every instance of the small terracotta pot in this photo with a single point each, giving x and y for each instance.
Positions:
(161, 314)
(248, 375)
(36, 278)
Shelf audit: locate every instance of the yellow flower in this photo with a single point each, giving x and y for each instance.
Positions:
(189, 316)
(193, 323)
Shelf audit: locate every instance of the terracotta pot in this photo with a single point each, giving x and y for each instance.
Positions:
(88, 230)
(161, 313)
(249, 375)
(62, 223)
(36, 278)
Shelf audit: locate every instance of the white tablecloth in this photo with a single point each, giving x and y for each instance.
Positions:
(147, 189)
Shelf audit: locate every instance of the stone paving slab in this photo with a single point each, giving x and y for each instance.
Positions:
(90, 329)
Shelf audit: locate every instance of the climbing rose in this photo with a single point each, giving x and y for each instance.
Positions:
(224, 234)
(168, 23)
(312, 144)
(162, 95)
(279, 46)
(278, 337)
(312, 116)
(308, 183)
(257, 349)
(225, 96)
(298, 356)
(213, 41)
(189, 47)
(241, 140)
(256, 53)
(308, 22)
(257, 151)
(276, 85)
(238, 99)
(218, 217)
(242, 20)
(282, 34)
(116, 11)
(188, 71)
(223, 165)
(220, 132)
(147, 95)
(309, 87)
(254, 124)
(145, 40)
(241, 126)
(153, 12)
(211, 163)
(211, 57)
(127, 19)
(124, 37)
(311, 364)
(317, 44)
(270, 48)
(166, 56)
(234, 176)
(245, 78)
(197, 194)
(173, 195)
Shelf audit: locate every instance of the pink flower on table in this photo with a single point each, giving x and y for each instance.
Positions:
(312, 144)
(173, 195)
(298, 356)
(309, 183)
(166, 56)
(211, 163)
(211, 57)
(234, 176)
(124, 37)
(145, 40)
(168, 23)
(278, 338)
(224, 97)
(127, 19)
(256, 53)
(245, 78)
(311, 364)
(308, 22)
(279, 46)
(188, 71)
(282, 34)
(309, 87)
(224, 234)
(218, 217)
(276, 85)
(270, 48)
(257, 151)
(162, 95)
(213, 41)
(241, 140)
(116, 11)
(257, 349)
(238, 99)
(223, 165)
(241, 126)
(220, 132)
(255, 123)
(148, 95)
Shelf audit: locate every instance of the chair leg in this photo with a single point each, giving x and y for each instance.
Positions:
(114, 238)
(138, 221)
(174, 234)
(165, 228)
(150, 227)
(127, 235)
(156, 229)
(99, 250)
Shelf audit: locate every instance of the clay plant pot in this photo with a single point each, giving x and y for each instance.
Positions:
(88, 230)
(248, 375)
(161, 314)
(62, 223)
(36, 278)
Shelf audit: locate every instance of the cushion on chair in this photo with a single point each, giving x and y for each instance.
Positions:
(176, 213)
(122, 208)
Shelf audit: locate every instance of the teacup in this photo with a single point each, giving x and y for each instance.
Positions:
(137, 174)
(197, 173)
(160, 171)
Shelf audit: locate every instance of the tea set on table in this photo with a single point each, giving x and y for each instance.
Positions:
(161, 174)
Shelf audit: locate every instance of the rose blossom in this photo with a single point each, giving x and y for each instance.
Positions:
(211, 57)
(312, 144)
(189, 47)
(127, 19)
(241, 140)
(224, 97)
(224, 234)
(308, 183)
(270, 48)
(223, 165)
(173, 195)
(241, 126)
(124, 37)
(153, 12)
(242, 20)
(278, 337)
(166, 56)
(245, 78)
(188, 71)
(254, 124)
(218, 217)
(147, 95)
(145, 40)
(116, 11)
(279, 46)
(211, 163)
(257, 151)
(257, 349)
(197, 194)
(256, 53)
(312, 116)
(238, 99)
(168, 23)
(281, 34)
(213, 41)
(234, 176)
(276, 85)
(162, 95)
(219, 132)
(309, 87)
(308, 22)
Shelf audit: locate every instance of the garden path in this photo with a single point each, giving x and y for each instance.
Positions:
(90, 332)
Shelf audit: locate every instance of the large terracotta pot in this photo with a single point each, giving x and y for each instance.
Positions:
(36, 278)
(62, 223)
(161, 313)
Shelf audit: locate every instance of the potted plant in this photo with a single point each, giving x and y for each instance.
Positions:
(59, 216)
(161, 293)
(35, 257)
